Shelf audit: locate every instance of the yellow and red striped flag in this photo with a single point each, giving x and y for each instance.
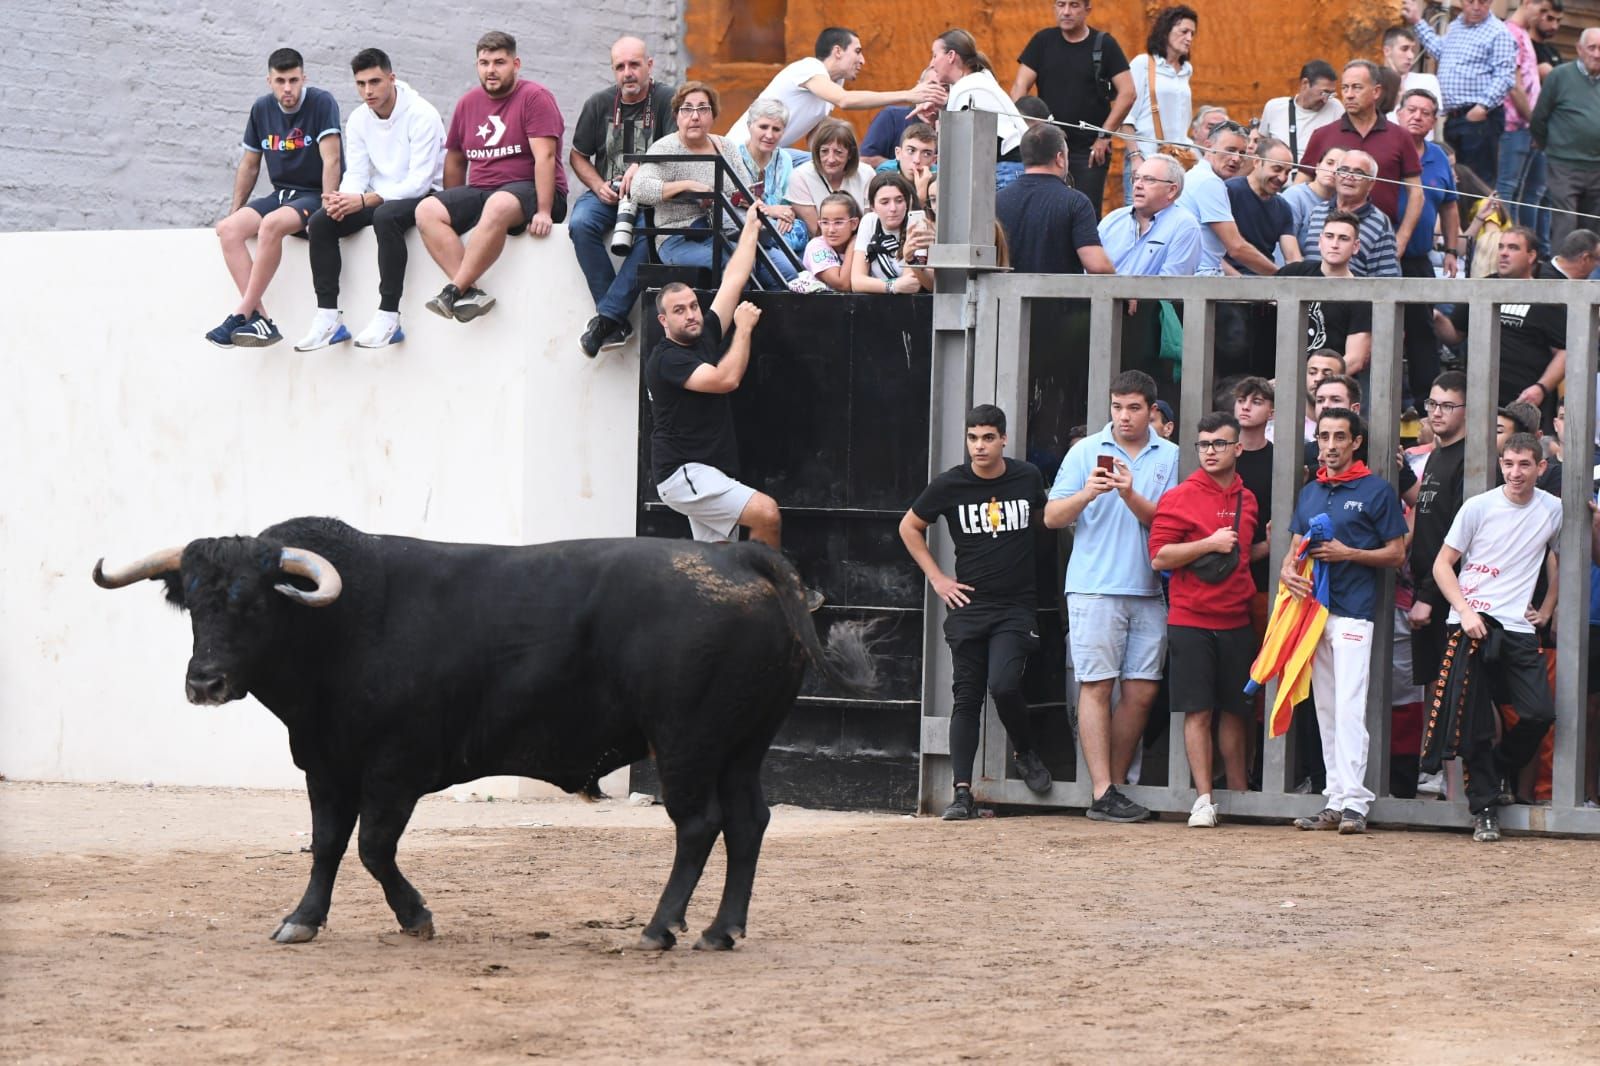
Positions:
(1286, 651)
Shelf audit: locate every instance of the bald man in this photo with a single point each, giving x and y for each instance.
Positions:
(614, 122)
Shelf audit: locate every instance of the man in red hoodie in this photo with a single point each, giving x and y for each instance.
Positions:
(1205, 533)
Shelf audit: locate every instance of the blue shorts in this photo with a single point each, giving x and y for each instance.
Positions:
(304, 203)
(1117, 636)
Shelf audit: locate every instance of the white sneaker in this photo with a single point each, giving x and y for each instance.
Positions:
(382, 331)
(326, 328)
(1430, 784)
(1203, 815)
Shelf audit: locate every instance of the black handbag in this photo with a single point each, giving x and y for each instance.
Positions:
(1214, 567)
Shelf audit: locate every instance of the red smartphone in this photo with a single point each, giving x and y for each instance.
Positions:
(1105, 462)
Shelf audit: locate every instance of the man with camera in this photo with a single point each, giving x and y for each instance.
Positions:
(1206, 534)
(1083, 75)
(614, 122)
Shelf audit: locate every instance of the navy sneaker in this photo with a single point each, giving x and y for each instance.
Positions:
(258, 332)
(222, 336)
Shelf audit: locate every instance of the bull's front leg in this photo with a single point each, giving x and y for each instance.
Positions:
(333, 816)
(383, 818)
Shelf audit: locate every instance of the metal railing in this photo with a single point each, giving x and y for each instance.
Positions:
(981, 355)
(723, 207)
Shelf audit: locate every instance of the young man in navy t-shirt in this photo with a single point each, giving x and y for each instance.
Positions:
(295, 129)
(1368, 534)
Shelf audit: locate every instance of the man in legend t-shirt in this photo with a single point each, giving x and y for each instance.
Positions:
(993, 508)
(502, 175)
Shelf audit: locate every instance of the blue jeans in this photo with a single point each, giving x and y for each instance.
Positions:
(1477, 144)
(680, 250)
(614, 291)
(1522, 175)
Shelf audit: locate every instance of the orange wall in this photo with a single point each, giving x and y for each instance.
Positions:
(1238, 63)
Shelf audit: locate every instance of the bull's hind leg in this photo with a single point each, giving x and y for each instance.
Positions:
(745, 818)
(333, 816)
(697, 814)
(383, 819)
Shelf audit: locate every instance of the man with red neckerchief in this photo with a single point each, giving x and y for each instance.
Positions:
(1366, 533)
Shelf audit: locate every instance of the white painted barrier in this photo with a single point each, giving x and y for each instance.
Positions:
(123, 432)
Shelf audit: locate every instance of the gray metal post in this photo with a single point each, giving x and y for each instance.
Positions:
(1572, 609)
(965, 246)
(1383, 429)
(1483, 383)
(1288, 468)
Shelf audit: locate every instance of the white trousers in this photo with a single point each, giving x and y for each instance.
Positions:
(1339, 685)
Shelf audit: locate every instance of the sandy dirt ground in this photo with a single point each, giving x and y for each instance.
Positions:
(135, 922)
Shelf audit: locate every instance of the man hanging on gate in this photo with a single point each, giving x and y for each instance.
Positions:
(993, 507)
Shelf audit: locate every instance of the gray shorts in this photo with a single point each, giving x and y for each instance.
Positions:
(1117, 636)
(711, 500)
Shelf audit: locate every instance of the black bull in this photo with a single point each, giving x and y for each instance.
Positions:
(403, 666)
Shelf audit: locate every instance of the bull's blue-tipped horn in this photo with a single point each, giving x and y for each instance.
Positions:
(310, 565)
(162, 562)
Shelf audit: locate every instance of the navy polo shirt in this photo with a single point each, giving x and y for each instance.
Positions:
(1365, 514)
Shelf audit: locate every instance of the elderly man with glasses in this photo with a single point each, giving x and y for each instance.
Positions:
(1353, 180)
(1149, 237)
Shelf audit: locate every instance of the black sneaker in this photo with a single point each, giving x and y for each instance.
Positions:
(222, 336)
(962, 808)
(1485, 827)
(1113, 806)
(1032, 770)
(1327, 818)
(598, 336)
(259, 332)
(472, 303)
(814, 600)
(1351, 822)
(623, 335)
(444, 304)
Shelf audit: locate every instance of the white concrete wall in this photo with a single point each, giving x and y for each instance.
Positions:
(122, 431)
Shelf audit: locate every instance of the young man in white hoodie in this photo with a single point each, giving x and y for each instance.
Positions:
(394, 156)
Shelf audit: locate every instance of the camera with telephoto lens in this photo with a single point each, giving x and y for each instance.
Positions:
(627, 215)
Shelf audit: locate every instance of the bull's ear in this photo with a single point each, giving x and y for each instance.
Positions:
(174, 582)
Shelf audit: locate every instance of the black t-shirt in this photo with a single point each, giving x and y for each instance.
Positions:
(608, 129)
(992, 522)
(1329, 323)
(1046, 221)
(1528, 335)
(1545, 52)
(1066, 78)
(1261, 222)
(1255, 470)
(689, 427)
(1438, 500)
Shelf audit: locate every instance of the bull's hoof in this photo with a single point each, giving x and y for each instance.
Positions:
(662, 941)
(294, 933)
(423, 930)
(712, 940)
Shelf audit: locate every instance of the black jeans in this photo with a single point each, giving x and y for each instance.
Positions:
(989, 648)
(1477, 144)
(1421, 346)
(1517, 678)
(389, 222)
(1087, 179)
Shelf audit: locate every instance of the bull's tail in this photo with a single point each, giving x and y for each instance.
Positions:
(847, 660)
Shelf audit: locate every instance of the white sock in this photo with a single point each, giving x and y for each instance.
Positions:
(1203, 801)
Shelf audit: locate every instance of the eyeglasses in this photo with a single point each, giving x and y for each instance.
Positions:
(690, 110)
(1140, 179)
(1203, 446)
(1440, 405)
(1347, 172)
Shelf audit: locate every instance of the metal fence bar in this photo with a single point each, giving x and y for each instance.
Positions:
(1572, 607)
(1289, 404)
(1383, 443)
(1483, 382)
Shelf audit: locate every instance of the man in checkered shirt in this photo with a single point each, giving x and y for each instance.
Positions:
(1477, 65)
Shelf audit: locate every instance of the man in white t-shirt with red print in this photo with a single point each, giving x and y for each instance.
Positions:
(502, 175)
(1501, 538)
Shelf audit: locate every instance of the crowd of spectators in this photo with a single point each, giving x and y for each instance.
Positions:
(1359, 170)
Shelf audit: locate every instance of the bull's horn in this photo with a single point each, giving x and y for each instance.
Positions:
(162, 562)
(302, 563)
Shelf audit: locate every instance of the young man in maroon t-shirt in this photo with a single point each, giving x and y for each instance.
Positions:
(1210, 640)
(502, 174)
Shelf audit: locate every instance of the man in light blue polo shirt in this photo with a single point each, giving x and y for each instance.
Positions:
(1206, 198)
(1108, 485)
(1148, 238)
